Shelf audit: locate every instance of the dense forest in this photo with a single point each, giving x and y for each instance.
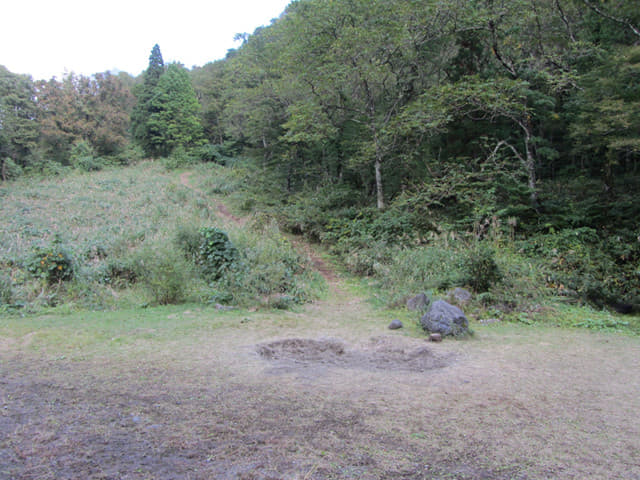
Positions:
(382, 127)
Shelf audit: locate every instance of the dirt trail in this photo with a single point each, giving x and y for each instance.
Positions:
(323, 268)
(220, 207)
(324, 393)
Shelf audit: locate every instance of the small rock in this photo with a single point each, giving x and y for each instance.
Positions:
(419, 302)
(435, 337)
(395, 324)
(460, 295)
(488, 321)
(224, 308)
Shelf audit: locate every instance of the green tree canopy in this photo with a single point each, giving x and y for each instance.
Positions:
(174, 120)
(167, 113)
(18, 112)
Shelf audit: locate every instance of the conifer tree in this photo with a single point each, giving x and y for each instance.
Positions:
(174, 120)
(166, 115)
(143, 110)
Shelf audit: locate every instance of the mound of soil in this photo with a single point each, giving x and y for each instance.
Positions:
(382, 353)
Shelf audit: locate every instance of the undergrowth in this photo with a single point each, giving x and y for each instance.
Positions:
(117, 238)
(518, 270)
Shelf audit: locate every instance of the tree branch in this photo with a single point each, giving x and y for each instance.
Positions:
(565, 21)
(511, 147)
(604, 14)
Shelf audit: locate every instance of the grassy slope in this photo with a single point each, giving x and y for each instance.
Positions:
(119, 217)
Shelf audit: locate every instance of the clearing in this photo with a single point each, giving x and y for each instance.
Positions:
(325, 392)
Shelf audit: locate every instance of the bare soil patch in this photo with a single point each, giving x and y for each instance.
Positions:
(382, 353)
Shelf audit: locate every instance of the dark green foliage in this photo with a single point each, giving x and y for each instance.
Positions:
(215, 254)
(9, 169)
(589, 267)
(156, 66)
(166, 115)
(479, 269)
(52, 263)
(6, 290)
(83, 157)
(220, 154)
(18, 130)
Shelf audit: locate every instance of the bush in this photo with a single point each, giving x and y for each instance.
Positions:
(180, 157)
(6, 290)
(220, 154)
(585, 265)
(215, 252)
(83, 157)
(163, 273)
(121, 273)
(130, 155)
(51, 263)
(9, 169)
(267, 269)
(188, 240)
(413, 270)
(479, 269)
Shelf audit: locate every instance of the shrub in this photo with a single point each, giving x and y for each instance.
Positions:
(130, 155)
(215, 253)
(220, 154)
(51, 263)
(267, 269)
(412, 270)
(9, 169)
(83, 157)
(6, 290)
(121, 273)
(180, 157)
(479, 269)
(188, 240)
(588, 266)
(163, 273)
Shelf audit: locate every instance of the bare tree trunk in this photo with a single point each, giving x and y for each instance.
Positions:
(379, 192)
(378, 171)
(530, 166)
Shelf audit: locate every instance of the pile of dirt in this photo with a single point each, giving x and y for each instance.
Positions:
(382, 353)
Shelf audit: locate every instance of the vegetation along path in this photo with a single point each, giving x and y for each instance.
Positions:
(326, 391)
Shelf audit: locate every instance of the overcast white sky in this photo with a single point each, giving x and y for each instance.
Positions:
(47, 38)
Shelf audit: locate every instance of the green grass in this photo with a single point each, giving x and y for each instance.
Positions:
(118, 226)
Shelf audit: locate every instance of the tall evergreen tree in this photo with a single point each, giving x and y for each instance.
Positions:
(156, 66)
(144, 108)
(174, 119)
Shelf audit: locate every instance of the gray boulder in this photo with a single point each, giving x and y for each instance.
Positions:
(445, 319)
(395, 324)
(460, 296)
(419, 302)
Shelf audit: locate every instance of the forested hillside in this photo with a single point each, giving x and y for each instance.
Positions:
(382, 127)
